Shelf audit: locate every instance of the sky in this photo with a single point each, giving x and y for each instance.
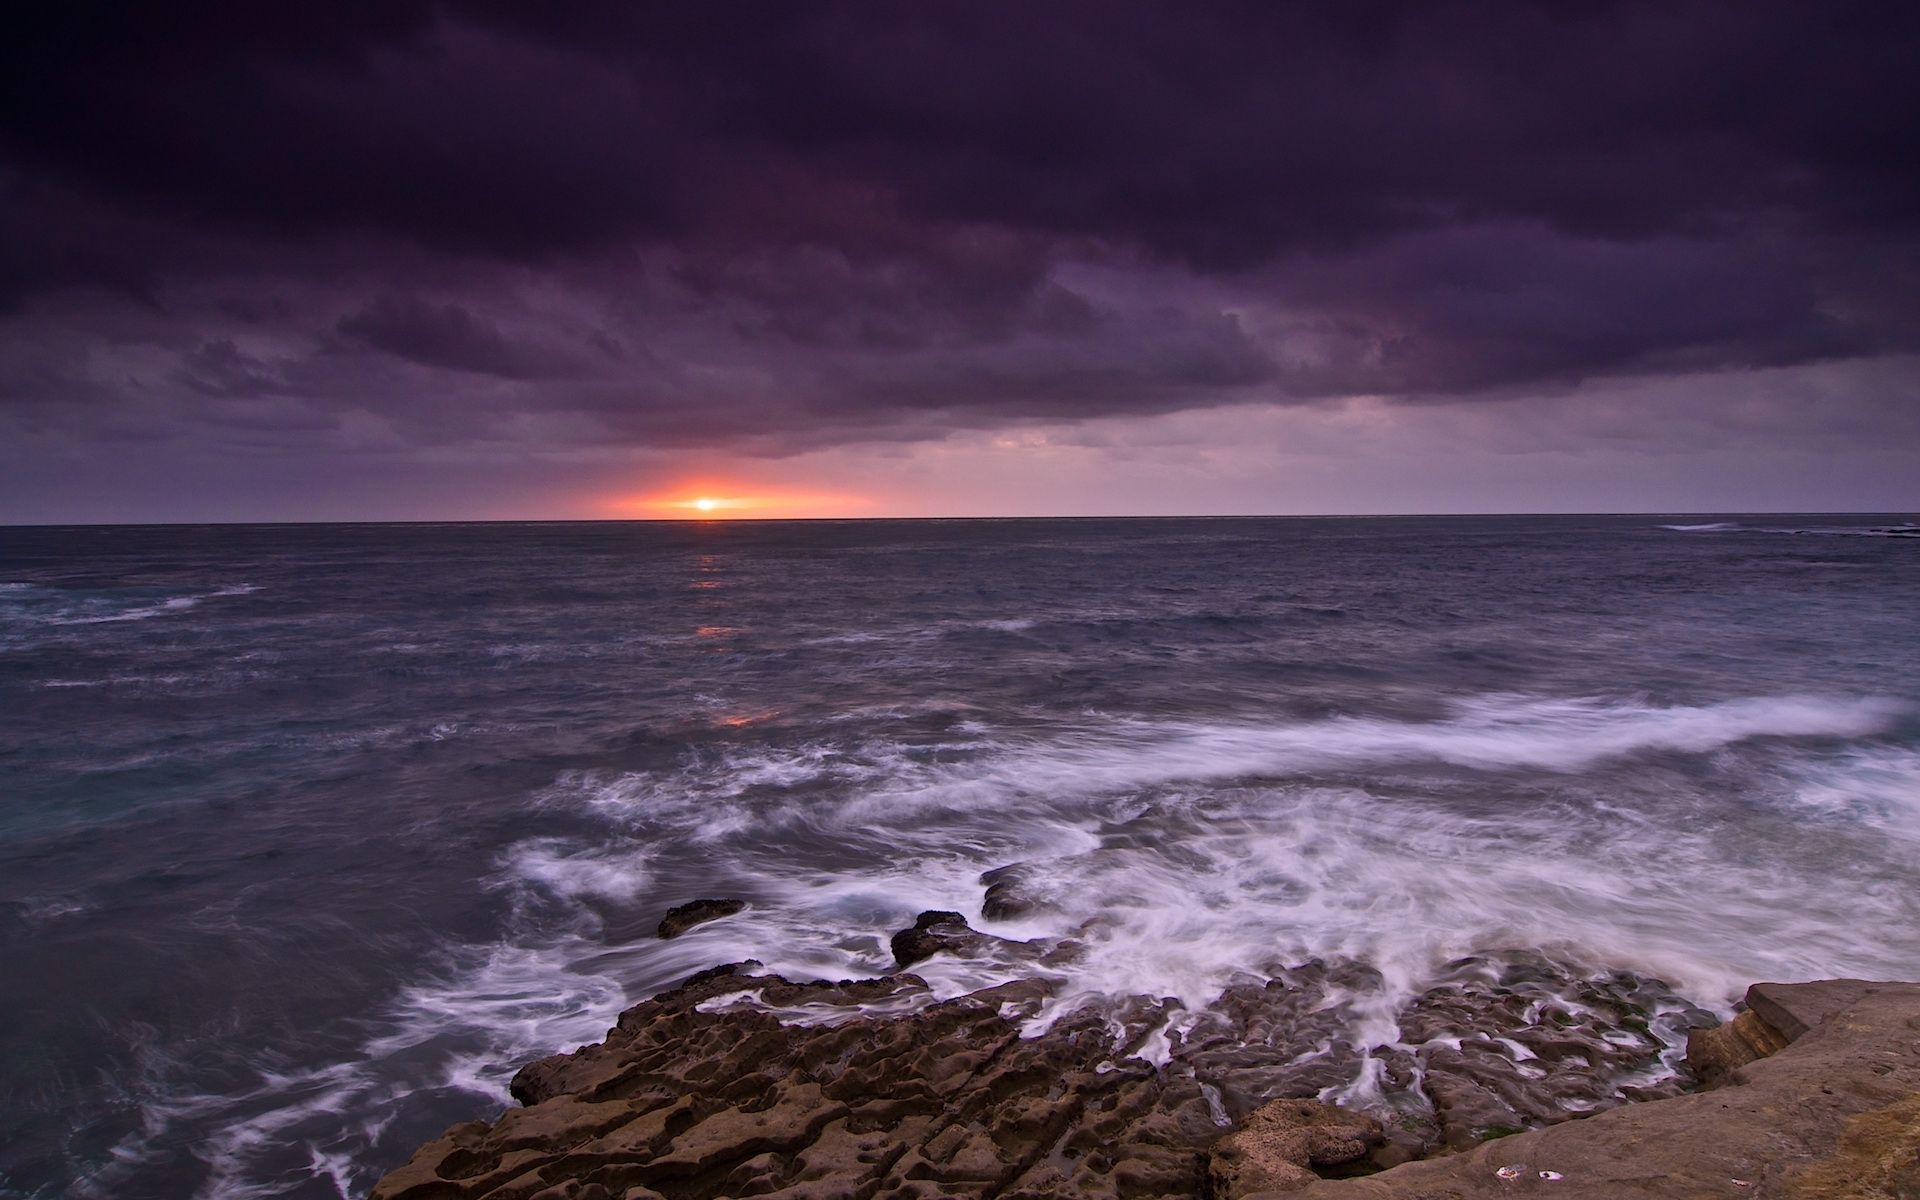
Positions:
(387, 259)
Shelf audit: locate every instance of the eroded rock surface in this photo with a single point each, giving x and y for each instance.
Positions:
(1834, 1113)
(703, 1092)
(1498, 1046)
(1282, 1141)
(739, 1085)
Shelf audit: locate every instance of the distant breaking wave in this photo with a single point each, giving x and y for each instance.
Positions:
(1905, 529)
(37, 604)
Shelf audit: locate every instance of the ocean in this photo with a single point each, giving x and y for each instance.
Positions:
(310, 835)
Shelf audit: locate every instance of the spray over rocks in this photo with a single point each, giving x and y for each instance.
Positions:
(740, 1082)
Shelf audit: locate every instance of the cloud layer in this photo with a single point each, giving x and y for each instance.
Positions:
(384, 235)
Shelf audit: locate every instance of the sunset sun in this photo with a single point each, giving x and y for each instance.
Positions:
(720, 500)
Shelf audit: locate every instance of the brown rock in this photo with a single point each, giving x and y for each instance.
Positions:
(1280, 1143)
(697, 912)
(1714, 1054)
(940, 932)
(1011, 892)
(930, 933)
(1835, 1113)
(1796, 1008)
(1497, 1047)
(946, 1100)
(1878, 1156)
(702, 1093)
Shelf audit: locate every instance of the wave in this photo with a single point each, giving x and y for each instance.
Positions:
(1171, 859)
(1168, 859)
(156, 681)
(740, 790)
(1903, 530)
(1183, 847)
(1488, 733)
(571, 869)
(40, 604)
(465, 1030)
(1873, 786)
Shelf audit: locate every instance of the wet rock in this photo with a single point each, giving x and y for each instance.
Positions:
(1023, 888)
(697, 912)
(1281, 1143)
(743, 1084)
(937, 932)
(702, 1092)
(1010, 892)
(1834, 1113)
(1516, 1042)
(1502, 1044)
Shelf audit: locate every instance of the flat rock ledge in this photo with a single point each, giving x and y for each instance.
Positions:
(738, 1085)
(1817, 1098)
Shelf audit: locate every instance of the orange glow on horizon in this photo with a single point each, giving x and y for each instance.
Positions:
(709, 501)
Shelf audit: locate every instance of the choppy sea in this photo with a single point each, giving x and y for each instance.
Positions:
(310, 835)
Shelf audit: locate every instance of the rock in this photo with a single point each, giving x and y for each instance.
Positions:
(1500, 1045)
(1714, 1054)
(1021, 888)
(936, 932)
(1279, 1144)
(1775, 1015)
(1796, 1008)
(881, 1090)
(701, 1093)
(1878, 1156)
(1834, 1113)
(697, 912)
(1010, 892)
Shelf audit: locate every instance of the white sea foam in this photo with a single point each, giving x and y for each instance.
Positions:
(569, 869)
(1181, 856)
(36, 604)
(1905, 529)
(118, 681)
(466, 1028)
(42, 909)
(1492, 733)
(1877, 786)
(876, 782)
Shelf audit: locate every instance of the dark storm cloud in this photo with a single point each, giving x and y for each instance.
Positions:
(448, 335)
(777, 226)
(1465, 311)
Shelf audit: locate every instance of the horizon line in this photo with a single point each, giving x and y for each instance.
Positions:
(713, 520)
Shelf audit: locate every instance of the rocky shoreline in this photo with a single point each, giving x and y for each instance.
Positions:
(1512, 1072)
(739, 1083)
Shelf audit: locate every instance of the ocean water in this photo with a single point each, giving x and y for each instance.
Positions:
(310, 835)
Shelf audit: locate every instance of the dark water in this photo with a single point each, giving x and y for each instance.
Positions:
(309, 835)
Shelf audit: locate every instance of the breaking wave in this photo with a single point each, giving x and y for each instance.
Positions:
(39, 604)
(1905, 529)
